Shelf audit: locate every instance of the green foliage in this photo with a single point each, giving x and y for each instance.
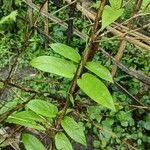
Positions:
(62, 142)
(94, 112)
(96, 90)
(67, 69)
(115, 3)
(32, 143)
(7, 47)
(125, 118)
(110, 14)
(27, 119)
(147, 125)
(99, 70)
(74, 130)
(96, 144)
(8, 106)
(28, 115)
(147, 122)
(40, 111)
(54, 65)
(130, 125)
(96, 4)
(145, 5)
(66, 51)
(43, 108)
(19, 2)
(9, 19)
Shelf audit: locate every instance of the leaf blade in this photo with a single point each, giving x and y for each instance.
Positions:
(66, 51)
(115, 3)
(110, 15)
(99, 70)
(74, 130)
(27, 119)
(43, 108)
(54, 65)
(62, 142)
(96, 90)
(32, 143)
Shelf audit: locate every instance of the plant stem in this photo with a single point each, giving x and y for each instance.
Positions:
(88, 55)
(123, 42)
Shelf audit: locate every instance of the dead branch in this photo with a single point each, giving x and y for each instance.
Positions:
(123, 42)
(130, 39)
(143, 78)
(114, 30)
(55, 19)
(30, 15)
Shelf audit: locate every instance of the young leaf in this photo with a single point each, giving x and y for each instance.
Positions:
(62, 142)
(32, 143)
(66, 51)
(99, 70)
(54, 65)
(109, 15)
(74, 130)
(28, 115)
(115, 3)
(27, 119)
(43, 108)
(96, 90)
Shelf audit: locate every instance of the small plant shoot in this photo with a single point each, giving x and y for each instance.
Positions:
(74, 75)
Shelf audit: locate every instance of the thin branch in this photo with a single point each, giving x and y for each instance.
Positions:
(112, 134)
(29, 90)
(64, 7)
(70, 23)
(123, 42)
(88, 54)
(146, 7)
(54, 19)
(119, 86)
(19, 106)
(113, 30)
(84, 36)
(143, 78)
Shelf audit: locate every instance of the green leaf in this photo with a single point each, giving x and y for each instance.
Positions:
(147, 117)
(66, 51)
(54, 65)
(109, 15)
(96, 4)
(28, 115)
(27, 119)
(62, 142)
(145, 5)
(74, 130)
(124, 123)
(43, 108)
(147, 125)
(10, 18)
(32, 143)
(115, 3)
(1, 85)
(96, 144)
(8, 106)
(96, 90)
(99, 70)
(71, 99)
